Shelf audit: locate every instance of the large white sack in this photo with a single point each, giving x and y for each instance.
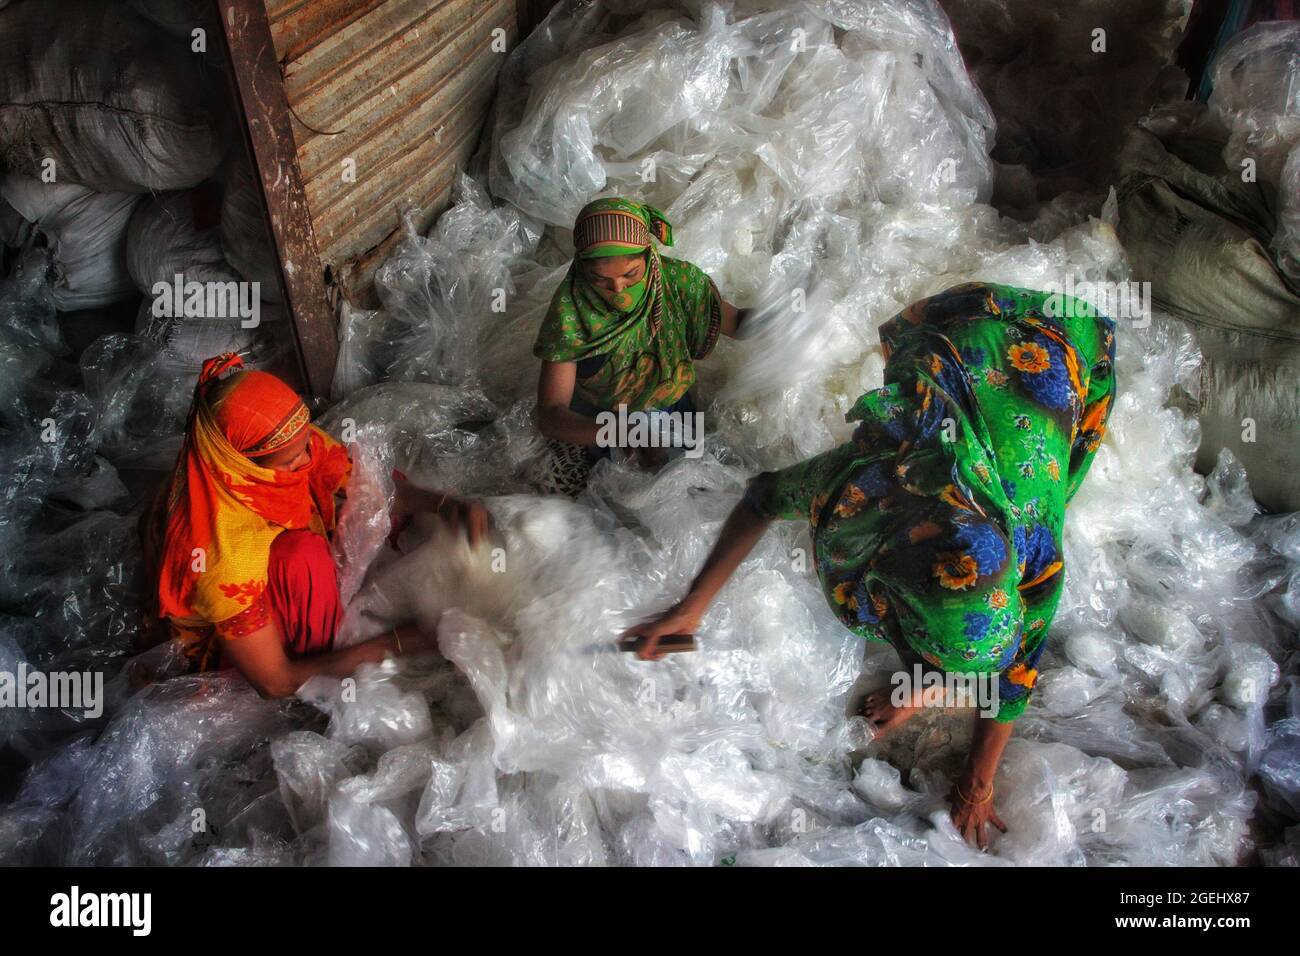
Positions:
(86, 233)
(187, 341)
(116, 103)
(162, 242)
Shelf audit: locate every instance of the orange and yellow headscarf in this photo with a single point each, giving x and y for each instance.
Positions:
(223, 510)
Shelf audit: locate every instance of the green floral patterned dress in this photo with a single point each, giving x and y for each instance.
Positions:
(938, 527)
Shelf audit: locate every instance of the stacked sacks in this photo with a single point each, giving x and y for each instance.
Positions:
(142, 383)
(109, 102)
(99, 108)
(164, 243)
(1199, 233)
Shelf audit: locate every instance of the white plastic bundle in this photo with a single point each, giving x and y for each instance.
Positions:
(772, 94)
(444, 297)
(1257, 95)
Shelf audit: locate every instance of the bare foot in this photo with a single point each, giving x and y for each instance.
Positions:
(884, 715)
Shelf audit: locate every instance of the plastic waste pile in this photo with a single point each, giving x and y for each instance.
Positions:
(1257, 95)
(107, 128)
(838, 148)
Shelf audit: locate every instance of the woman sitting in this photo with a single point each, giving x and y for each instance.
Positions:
(937, 528)
(624, 329)
(238, 537)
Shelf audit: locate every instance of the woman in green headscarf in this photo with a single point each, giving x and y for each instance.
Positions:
(624, 328)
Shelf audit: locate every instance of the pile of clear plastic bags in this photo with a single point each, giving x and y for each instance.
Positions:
(838, 147)
(1257, 95)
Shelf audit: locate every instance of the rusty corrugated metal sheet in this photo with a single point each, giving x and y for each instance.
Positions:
(401, 89)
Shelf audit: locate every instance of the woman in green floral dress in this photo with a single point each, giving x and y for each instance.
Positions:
(624, 328)
(938, 527)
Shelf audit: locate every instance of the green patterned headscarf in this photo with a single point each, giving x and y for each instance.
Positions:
(650, 348)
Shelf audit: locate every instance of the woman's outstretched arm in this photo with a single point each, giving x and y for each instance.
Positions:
(732, 317)
(260, 657)
(742, 530)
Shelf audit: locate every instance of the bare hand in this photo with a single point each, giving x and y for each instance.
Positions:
(456, 512)
(471, 515)
(972, 816)
(676, 620)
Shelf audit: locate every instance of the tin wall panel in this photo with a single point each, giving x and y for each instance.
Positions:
(388, 99)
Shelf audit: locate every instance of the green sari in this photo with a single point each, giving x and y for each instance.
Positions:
(938, 527)
(647, 354)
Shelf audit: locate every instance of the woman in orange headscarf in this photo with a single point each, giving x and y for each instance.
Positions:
(239, 537)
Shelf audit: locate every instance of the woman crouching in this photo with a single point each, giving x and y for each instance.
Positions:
(238, 538)
(938, 527)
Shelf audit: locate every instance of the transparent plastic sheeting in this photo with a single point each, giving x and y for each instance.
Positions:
(1257, 94)
(792, 146)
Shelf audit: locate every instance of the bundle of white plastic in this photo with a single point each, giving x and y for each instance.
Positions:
(810, 145)
(1257, 95)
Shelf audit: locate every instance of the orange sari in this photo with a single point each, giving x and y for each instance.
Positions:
(223, 510)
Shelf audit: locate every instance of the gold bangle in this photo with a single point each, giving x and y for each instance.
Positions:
(968, 800)
(398, 638)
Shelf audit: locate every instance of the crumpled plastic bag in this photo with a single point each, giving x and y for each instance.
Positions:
(1256, 93)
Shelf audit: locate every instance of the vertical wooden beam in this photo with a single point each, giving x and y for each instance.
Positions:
(263, 108)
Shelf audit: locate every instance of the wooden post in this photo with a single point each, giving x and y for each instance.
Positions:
(263, 108)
